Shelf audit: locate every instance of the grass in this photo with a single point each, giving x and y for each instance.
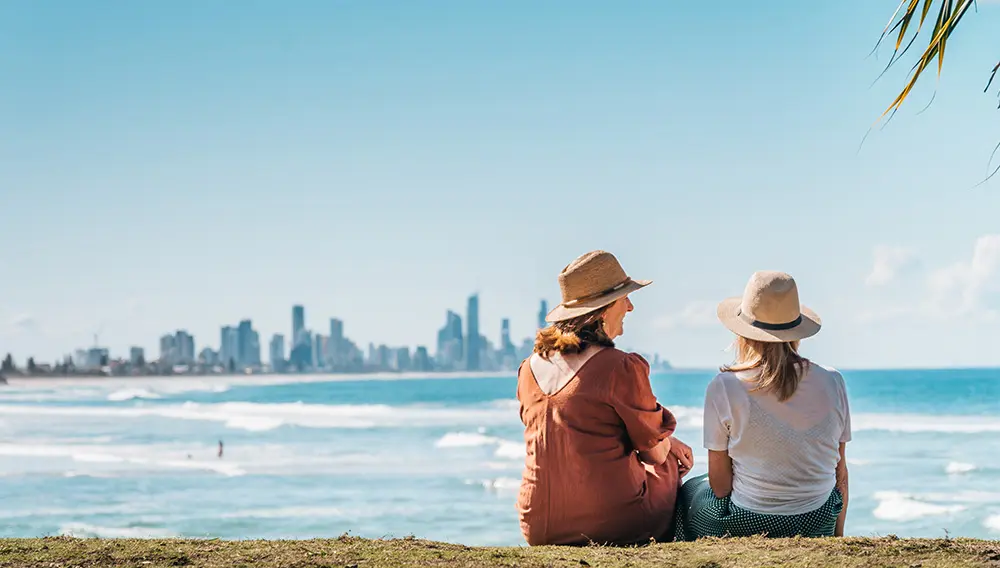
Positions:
(351, 552)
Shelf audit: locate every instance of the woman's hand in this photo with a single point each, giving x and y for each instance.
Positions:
(682, 453)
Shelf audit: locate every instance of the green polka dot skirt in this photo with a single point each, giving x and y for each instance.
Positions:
(700, 513)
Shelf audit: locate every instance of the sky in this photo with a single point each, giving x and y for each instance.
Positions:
(187, 164)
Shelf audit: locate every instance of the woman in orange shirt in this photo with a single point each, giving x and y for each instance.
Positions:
(602, 465)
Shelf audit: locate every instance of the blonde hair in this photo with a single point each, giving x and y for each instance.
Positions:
(780, 365)
(573, 335)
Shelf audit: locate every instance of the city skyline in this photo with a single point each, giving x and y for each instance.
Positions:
(240, 350)
(229, 344)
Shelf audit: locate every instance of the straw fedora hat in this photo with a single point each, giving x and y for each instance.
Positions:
(591, 282)
(769, 310)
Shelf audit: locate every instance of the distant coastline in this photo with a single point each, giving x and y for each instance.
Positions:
(252, 378)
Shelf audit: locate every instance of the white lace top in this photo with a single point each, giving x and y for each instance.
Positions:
(784, 454)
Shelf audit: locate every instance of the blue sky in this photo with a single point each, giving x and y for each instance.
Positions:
(187, 164)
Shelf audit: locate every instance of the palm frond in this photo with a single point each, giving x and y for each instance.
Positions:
(993, 75)
(949, 14)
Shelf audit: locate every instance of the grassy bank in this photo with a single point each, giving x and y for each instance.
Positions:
(349, 552)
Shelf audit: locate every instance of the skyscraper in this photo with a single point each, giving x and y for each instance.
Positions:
(542, 312)
(508, 353)
(183, 348)
(383, 357)
(421, 359)
(229, 347)
(402, 361)
(450, 346)
(298, 324)
(277, 352)
(319, 351)
(253, 356)
(244, 348)
(472, 335)
(137, 357)
(301, 357)
(335, 349)
(168, 350)
(505, 334)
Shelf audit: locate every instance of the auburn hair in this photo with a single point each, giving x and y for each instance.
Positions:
(780, 365)
(573, 335)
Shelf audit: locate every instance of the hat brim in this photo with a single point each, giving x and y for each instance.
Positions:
(729, 314)
(563, 313)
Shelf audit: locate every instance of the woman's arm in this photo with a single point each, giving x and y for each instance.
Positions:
(842, 486)
(656, 455)
(647, 424)
(720, 473)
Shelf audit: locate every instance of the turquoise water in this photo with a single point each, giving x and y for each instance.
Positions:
(438, 458)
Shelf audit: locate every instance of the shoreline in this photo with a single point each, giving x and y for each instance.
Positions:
(248, 379)
(273, 378)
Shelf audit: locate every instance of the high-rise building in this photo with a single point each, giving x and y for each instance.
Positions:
(97, 357)
(507, 357)
(421, 360)
(543, 311)
(137, 356)
(208, 357)
(245, 345)
(298, 324)
(183, 348)
(229, 347)
(301, 357)
(488, 360)
(450, 352)
(505, 343)
(383, 357)
(168, 350)
(472, 346)
(253, 354)
(319, 351)
(277, 352)
(402, 361)
(336, 352)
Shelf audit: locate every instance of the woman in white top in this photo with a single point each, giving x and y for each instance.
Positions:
(776, 425)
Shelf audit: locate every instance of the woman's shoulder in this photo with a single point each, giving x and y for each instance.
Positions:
(615, 355)
(826, 373)
(620, 362)
(728, 384)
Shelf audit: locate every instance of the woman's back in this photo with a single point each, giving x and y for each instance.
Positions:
(582, 480)
(784, 454)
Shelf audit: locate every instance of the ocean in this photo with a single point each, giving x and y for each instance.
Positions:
(437, 458)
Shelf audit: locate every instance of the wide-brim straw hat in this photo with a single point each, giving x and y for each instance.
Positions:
(589, 283)
(769, 310)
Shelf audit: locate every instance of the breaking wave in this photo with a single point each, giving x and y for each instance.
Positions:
(897, 506)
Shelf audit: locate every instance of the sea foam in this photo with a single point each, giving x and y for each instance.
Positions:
(922, 423)
(465, 440)
(992, 523)
(901, 507)
(134, 457)
(505, 449)
(258, 417)
(131, 394)
(957, 468)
